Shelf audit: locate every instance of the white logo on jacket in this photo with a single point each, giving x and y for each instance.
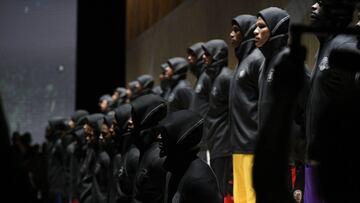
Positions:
(198, 88)
(241, 73)
(324, 64)
(270, 75)
(214, 91)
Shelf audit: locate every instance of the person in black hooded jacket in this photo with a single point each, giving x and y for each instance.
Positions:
(149, 185)
(243, 105)
(216, 137)
(94, 171)
(189, 178)
(56, 160)
(179, 95)
(119, 97)
(200, 99)
(146, 83)
(131, 90)
(124, 169)
(276, 106)
(105, 103)
(72, 151)
(332, 111)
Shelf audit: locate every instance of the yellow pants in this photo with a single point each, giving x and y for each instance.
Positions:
(242, 172)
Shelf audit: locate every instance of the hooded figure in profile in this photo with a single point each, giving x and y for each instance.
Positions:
(332, 110)
(216, 137)
(56, 159)
(94, 178)
(180, 93)
(202, 88)
(119, 97)
(189, 178)
(125, 168)
(105, 103)
(147, 111)
(243, 105)
(279, 89)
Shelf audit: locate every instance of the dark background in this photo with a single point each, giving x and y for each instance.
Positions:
(57, 56)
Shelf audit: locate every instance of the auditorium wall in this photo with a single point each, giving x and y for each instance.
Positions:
(200, 20)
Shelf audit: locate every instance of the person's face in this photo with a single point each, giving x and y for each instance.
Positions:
(168, 72)
(207, 58)
(235, 36)
(261, 32)
(297, 196)
(138, 86)
(103, 105)
(114, 127)
(316, 14)
(128, 93)
(191, 58)
(105, 135)
(115, 96)
(89, 134)
(71, 124)
(130, 124)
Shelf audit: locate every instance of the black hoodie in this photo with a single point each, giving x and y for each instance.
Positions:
(149, 184)
(94, 172)
(216, 132)
(56, 156)
(332, 111)
(200, 100)
(244, 89)
(271, 152)
(180, 95)
(189, 178)
(146, 83)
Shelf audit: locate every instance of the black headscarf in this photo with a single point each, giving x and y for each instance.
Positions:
(247, 25)
(278, 21)
(218, 50)
(181, 133)
(198, 68)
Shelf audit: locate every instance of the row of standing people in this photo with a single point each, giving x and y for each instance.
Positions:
(256, 114)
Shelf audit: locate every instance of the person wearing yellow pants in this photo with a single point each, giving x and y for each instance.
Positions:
(243, 106)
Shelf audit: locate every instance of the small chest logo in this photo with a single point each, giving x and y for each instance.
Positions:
(270, 75)
(198, 88)
(241, 73)
(214, 91)
(324, 64)
(171, 97)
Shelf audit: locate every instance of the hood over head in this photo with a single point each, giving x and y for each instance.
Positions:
(181, 133)
(95, 121)
(179, 65)
(218, 50)
(123, 138)
(121, 91)
(108, 98)
(122, 115)
(146, 81)
(79, 115)
(198, 68)
(122, 94)
(132, 86)
(247, 25)
(278, 21)
(147, 111)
